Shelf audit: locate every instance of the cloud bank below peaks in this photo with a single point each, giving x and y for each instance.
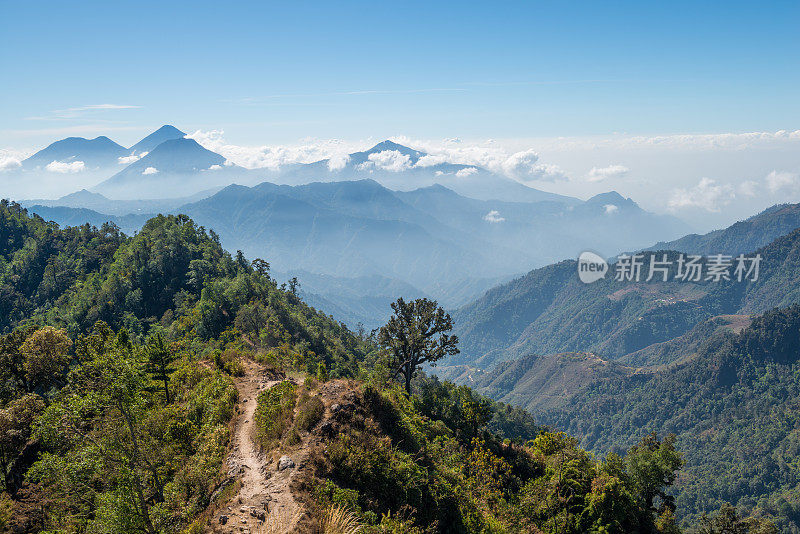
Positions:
(524, 165)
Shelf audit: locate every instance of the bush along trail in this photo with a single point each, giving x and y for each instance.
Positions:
(278, 422)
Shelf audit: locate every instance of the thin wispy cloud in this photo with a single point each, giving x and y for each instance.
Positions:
(82, 111)
(598, 174)
(78, 129)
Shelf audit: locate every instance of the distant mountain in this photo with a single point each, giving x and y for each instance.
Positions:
(549, 310)
(98, 152)
(432, 239)
(64, 216)
(346, 229)
(399, 168)
(104, 205)
(446, 245)
(165, 133)
(364, 300)
(743, 236)
(547, 231)
(176, 167)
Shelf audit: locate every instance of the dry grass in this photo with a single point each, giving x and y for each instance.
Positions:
(340, 520)
(280, 522)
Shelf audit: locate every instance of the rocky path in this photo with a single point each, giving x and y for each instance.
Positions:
(263, 502)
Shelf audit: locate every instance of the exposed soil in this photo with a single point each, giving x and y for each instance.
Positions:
(264, 501)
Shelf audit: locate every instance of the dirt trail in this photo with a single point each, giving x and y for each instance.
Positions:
(246, 464)
(264, 501)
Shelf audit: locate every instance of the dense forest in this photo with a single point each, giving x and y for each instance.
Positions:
(121, 357)
(732, 401)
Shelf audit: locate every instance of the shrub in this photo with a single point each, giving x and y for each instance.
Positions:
(275, 412)
(228, 362)
(309, 414)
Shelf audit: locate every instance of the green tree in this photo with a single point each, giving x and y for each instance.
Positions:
(261, 267)
(727, 521)
(651, 465)
(159, 360)
(102, 415)
(15, 429)
(416, 334)
(46, 353)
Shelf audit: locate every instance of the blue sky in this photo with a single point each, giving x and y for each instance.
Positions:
(268, 72)
(525, 73)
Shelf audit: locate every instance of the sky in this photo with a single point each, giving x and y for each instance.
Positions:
(689, 108)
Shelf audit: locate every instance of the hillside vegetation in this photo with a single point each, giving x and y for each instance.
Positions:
(732, 401)
(122, 363)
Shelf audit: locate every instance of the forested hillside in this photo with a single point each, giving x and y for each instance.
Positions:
(549, 310)
(732, 402)
(117, 368)
(124, 360)
(741, 237)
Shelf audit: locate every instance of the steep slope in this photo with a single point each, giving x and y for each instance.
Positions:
(549, 310)
(744, 236)
(137, 352)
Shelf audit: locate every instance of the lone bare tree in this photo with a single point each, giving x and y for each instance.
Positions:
(416, 334)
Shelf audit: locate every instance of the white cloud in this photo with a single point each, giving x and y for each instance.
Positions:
(150, 170)
(274, 157)
(522, 165)
(127, 160)
(611, 208)
(598, 174)
(11, 159)
(469, 171)
(748, 188)
(214, 168)
(525, 166)
(707, 195)
(780, 180)
(493, 217)
(388, 160)
(9, 163)
(338, 162)
(429, 160)
(65, 167)
(79, 111)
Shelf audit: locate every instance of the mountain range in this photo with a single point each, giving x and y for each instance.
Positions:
(549, 310)
(448, 231)
(431, 239)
